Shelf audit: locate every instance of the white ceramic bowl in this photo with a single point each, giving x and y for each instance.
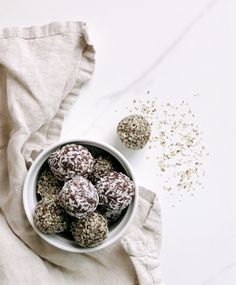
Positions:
(30, 196)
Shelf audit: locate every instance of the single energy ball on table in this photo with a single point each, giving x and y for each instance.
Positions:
(90, 231)
(49, 216)
(134, 131)
(102, 166)
(71, 160)
(116, 192)
(48, 184)
(79, 197)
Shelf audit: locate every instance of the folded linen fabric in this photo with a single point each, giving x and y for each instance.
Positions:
(42, 70)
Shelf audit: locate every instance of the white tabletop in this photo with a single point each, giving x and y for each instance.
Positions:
(178, 51)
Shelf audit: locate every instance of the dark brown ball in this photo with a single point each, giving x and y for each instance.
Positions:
(71, 160)
(78, 197)
(116, 192)
(112, 215)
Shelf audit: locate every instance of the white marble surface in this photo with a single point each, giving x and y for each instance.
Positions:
(174, 49)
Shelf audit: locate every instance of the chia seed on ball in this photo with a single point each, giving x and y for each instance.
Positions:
(49, 216)
(116, 192)
(90, 231)
(134, 131)
(71, 160)
(78, 197)
(48, 184)
(102, 166)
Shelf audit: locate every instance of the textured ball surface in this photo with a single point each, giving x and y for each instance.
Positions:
(102, 166)
(71, 160)
(49, 216)
(48, 184)
(90, 231)
(134, 131)
(78, 197)
(115, 191)
(111, 214)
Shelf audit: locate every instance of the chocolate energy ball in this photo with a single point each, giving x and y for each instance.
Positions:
(115, 191)
(49, 216)
(90, 231)
(134, 131)
(71, 160)
(102, 166)
(78, 197)
(111, 214)
(48, 184)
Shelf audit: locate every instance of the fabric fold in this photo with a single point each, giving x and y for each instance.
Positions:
(143, 244)
(42, 70)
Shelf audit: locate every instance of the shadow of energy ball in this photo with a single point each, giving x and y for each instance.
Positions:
(134, 131)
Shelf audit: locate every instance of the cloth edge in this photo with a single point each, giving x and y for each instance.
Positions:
(47, 30)
(82, 75)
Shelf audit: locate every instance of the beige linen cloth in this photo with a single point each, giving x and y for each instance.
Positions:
(41, 72)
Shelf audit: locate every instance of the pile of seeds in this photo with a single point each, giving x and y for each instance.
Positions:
(178, 144)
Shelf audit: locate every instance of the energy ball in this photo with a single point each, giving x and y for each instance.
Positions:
(48, 184)
(102, 166)
(134, 131)
(49, 216)
(116, 192)
(78, 197)
(71, 160)
(111, 214)
(90, 231)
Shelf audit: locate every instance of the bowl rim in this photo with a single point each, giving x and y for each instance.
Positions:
(97, 143)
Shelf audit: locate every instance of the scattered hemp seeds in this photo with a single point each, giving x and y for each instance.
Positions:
(178, 143)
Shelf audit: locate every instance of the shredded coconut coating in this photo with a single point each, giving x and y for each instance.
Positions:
(90, 231)
(102, 167)
(48, 184)
(71, 160)
(78, 197)
(116, 192)
(49, 216)
(134, 131)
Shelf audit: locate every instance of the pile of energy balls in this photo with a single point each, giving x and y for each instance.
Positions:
(81, 195)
